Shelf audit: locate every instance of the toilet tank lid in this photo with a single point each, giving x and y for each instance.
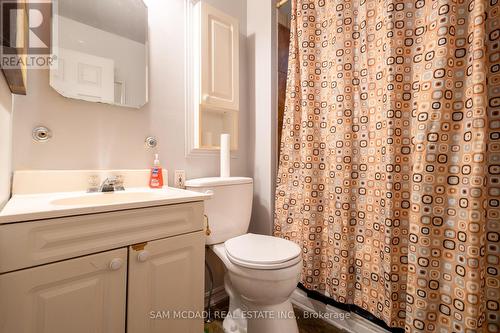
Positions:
(218, 181)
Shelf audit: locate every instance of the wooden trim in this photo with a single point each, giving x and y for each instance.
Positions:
(16, 77)
(281, 3)
(15, 80)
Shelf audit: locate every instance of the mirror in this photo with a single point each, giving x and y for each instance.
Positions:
(101, 50)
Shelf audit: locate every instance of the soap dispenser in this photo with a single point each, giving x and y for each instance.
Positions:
(156, 176)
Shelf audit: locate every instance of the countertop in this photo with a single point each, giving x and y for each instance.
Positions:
(31, 207)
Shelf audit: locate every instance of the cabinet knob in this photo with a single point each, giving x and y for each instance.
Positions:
(116, 264)
(143, 256)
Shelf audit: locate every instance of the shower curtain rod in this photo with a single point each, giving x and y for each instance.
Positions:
(281, 3)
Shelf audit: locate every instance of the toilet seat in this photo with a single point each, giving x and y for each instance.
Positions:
(262, 252)
(264, 266)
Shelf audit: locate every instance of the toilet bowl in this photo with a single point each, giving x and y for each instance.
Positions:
(261, 271)
(259, 291)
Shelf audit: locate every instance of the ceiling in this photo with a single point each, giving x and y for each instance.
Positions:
(127, 18)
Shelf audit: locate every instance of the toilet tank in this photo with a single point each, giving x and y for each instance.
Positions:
(230, 208)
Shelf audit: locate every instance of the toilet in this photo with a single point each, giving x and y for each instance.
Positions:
(261, 271)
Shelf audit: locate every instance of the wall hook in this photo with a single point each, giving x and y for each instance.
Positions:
(151, 142)
(41, 134)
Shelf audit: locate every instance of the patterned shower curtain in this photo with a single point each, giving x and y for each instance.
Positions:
(389, 174)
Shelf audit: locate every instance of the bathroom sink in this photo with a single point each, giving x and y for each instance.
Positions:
(92, 199)
(53, 194)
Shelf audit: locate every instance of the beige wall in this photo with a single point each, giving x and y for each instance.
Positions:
(95, 136)
(5, 140)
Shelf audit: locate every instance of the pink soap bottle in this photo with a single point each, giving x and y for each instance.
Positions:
(156, 176)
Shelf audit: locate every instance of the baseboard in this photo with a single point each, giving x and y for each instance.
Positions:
(218, 296)
(351, 322)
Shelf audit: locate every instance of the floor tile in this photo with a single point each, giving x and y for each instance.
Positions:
(306, 325)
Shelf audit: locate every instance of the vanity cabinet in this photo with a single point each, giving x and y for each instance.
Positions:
(105, 273)
(80, 295)
(162, 275)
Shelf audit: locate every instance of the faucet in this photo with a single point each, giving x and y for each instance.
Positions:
(112, 184)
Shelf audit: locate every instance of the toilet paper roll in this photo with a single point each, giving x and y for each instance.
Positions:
(225, 155)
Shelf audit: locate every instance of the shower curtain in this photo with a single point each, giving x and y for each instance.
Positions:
(389, 173)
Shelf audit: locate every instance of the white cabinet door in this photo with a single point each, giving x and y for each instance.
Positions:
(166, 280)
(84, 76)
(82, 295)
(219, 58)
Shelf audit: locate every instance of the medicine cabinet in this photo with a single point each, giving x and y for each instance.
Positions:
(215, 78)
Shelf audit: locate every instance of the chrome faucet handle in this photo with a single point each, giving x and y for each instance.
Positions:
(119, 183)
(93, 184)
(108, 185)
(112, 184)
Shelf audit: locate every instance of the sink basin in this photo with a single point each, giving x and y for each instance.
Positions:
(73, 200)
(92, 199)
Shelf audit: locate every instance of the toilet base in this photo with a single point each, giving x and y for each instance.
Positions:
(245, 317)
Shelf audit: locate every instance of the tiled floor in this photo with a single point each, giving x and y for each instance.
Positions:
(306, 325)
